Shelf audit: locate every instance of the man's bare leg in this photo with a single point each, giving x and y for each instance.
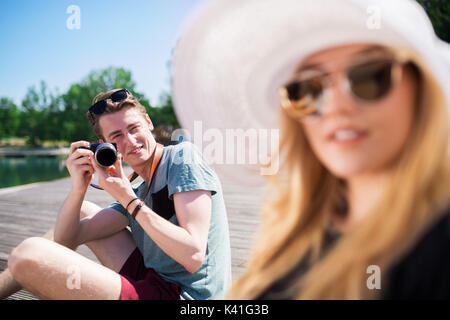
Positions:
(8, 285)
(52, 271)
(112, 252)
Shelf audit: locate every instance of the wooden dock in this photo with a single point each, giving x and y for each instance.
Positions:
(31, 210)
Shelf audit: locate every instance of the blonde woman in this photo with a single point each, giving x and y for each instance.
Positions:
(360, 206)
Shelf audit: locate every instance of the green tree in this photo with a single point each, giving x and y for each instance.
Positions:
(52, 117)
(9, 118)
(439, 13)
(164, 114)
(32, 122)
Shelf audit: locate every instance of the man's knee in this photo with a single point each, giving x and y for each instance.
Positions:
(88, 209)
(26, 256)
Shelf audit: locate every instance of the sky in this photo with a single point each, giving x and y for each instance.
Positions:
(37, 43)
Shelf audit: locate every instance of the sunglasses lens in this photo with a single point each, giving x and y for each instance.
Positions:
(301, 89)
(371, 81)
(98, 108)
(302, 94)
(119, 95)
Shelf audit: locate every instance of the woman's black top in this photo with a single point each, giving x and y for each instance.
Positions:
(422, 273)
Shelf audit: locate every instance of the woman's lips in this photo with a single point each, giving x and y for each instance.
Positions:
(347, 137)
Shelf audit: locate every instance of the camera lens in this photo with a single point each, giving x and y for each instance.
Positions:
(106, 154)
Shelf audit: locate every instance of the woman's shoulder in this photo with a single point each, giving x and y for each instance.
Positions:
(437, 233)
(424, 272)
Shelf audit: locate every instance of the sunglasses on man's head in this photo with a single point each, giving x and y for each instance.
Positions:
(100, 106)
(368, 80)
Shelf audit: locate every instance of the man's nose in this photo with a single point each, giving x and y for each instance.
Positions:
(130, 138)
(337, 98)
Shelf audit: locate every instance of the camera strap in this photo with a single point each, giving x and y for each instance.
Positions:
(156, 157)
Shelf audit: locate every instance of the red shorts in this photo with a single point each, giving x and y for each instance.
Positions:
(142, 283)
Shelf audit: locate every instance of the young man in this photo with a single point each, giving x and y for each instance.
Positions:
(178, 246)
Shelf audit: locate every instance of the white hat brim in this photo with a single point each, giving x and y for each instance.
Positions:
(235, 54)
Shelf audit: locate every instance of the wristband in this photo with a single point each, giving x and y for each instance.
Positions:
(132, 200)
(136, 210)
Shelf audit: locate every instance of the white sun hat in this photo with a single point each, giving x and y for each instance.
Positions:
(234, 55)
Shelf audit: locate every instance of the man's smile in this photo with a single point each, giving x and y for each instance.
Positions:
(135, 150)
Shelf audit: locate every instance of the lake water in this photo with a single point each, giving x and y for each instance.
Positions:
(17, 171)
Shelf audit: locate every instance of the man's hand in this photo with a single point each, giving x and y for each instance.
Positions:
(114, 181)
(80, 167)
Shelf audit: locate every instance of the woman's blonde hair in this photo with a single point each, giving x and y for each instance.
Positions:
(294, 222)
(111, 107)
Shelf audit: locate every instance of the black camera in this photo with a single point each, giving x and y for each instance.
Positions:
(105, 153)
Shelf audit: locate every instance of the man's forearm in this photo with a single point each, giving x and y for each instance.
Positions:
(68, 220)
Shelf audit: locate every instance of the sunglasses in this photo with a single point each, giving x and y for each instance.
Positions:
(368, 80)
(100, 106)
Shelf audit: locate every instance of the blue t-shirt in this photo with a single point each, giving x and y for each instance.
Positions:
(181, 169)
